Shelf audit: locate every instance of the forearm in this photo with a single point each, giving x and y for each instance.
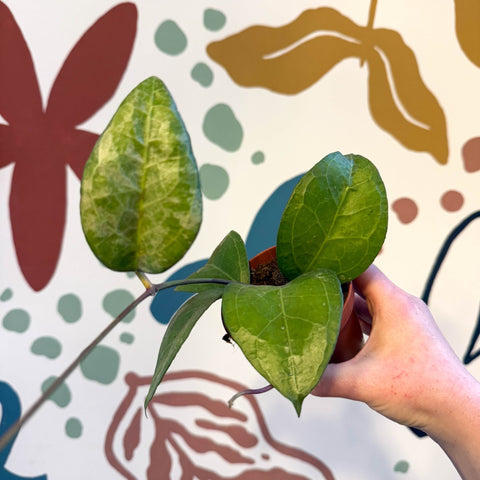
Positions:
(456, 427)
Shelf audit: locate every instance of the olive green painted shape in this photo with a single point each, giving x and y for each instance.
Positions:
(141, 204)
(229, 261)
(177, 332)
(287, 333)
(336, 218)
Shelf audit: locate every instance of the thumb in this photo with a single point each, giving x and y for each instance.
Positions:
(375, 287)
(339, 380)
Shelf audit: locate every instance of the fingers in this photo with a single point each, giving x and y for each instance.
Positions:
(375, 288)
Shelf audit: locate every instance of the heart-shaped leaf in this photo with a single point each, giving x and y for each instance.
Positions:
(141, 204)
(177, 332)
(336, 218)
(287, 333)
(228, 261)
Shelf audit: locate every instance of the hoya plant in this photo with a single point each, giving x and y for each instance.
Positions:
(141, 209)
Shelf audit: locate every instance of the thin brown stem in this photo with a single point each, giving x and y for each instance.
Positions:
(151, 291)
(13, 430)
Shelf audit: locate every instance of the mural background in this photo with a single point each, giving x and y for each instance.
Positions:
(260, 112)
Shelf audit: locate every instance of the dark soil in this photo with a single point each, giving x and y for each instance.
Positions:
(270, 274)
(267, 274)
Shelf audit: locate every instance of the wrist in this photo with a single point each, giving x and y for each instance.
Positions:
(455, 425)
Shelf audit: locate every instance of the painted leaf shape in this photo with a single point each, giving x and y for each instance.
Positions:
(7, 146)
(94, 67)
(336, 218)
(279, 58)
(140, 203)
(177, 332)
(228, 261)
(189, 423)
(20, 99)
(287, 333)
(467, 15)
(34, 212)
(423, 126)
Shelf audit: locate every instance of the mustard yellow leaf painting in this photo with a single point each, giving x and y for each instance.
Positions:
(293, 57)
(280, 59)
(418, 122)
(467, 26)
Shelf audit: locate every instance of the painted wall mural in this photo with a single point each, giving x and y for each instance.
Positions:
(240, 437)
(265, 90)
(40, 141)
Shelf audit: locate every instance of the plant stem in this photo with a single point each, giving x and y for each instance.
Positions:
(152, 290)
(369, 28)
(250, 391)
(144, 279)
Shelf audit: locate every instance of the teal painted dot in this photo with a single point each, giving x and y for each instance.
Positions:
(170, 39)
(214, 181)
(401, 466)
(101, 365)
(202, 74)
(116, 301)
(17, 320)
(221, 127)
(127, 338)
(47, 346)
(7, 294)
(70, 307)
(74, 428)
(130, 274)
(61, 396)
(258, 157)
(213, 20)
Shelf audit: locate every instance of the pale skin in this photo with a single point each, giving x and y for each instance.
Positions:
(408, 372)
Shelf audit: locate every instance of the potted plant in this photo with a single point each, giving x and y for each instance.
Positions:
(141, 209)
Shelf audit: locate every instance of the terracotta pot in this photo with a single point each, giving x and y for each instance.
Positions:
(350, 337)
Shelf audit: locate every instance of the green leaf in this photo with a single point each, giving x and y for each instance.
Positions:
(287, 333)
(177, 332)
(229, 261)
(141, 204)
(336, 218)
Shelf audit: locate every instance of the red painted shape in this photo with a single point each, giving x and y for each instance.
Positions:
(20, 99)
(175, 442)
(41, 143)
(471, 155)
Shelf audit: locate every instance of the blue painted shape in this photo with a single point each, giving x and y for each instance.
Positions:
(263, 232)
(11, 411)
(167, 302)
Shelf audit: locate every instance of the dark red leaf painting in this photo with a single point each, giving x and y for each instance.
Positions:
(191, 434)
(42, 142)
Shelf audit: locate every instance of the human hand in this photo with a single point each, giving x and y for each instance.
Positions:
(408, 372)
